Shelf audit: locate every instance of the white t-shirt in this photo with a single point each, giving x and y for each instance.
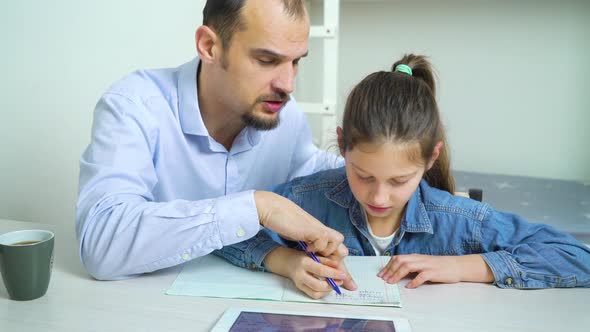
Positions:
(379, 243)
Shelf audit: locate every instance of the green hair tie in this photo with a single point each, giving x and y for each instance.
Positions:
(404, 69)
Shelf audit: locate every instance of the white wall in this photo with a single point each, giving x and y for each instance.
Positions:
(57, 58)
(513, 75)
(512, 80)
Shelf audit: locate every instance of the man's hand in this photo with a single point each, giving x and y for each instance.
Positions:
(284, 217)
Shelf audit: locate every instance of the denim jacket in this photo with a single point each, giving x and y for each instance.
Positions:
(520, 254)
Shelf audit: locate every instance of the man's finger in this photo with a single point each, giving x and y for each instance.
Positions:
(323, 238)
(341, 252)
(331, 247)
(317, 245)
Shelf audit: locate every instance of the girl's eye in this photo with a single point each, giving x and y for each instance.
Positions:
(366, 179)
(399, 183)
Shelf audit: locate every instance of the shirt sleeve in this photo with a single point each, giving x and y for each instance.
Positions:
(528, 255)
(251, 253)
(122, 232)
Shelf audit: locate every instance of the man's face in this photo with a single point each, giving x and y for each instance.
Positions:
(259, 67)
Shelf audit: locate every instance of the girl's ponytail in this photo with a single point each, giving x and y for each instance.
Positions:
(439, 175)
(421, 69)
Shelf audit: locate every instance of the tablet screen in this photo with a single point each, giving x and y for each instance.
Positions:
(264, 321)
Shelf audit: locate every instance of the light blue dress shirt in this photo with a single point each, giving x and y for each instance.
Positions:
(156, 190)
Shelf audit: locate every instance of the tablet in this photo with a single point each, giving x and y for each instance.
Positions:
(265, 320)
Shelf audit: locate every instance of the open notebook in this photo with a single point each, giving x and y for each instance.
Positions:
(211, 276)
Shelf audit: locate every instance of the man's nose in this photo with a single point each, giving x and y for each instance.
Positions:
(285, 81)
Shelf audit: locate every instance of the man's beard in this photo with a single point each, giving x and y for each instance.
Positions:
(252, 120)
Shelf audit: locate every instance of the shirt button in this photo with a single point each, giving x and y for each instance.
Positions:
(387, 253)
(240, 232)
(186, 257)
(508, 281)
(252, 266)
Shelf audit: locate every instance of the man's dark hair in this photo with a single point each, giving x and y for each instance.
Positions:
(224, 16)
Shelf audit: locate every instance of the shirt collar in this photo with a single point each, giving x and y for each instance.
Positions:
(188, 106)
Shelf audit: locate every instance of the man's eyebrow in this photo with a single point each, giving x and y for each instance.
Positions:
(270, 53)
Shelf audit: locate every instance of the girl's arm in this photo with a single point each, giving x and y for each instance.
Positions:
(527, 255)
(250, 253)
(514, 254)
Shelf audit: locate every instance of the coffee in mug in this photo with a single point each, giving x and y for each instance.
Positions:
(24, 243)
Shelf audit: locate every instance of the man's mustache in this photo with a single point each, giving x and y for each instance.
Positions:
(277, 97)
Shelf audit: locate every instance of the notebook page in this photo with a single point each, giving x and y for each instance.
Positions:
(372, 290)
(212, 276)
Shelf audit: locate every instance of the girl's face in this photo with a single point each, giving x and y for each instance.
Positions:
(382, 178)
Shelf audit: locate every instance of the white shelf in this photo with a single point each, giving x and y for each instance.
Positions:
(328, 32)
(318, 108)
(321, 31)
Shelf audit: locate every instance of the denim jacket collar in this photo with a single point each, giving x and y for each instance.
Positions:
(341, 194)
(415, 219)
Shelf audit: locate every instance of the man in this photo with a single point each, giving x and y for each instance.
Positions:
(177, 154)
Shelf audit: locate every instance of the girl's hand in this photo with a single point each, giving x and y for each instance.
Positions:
(445, 269)
(309, 276)
(304, 271)
(348, 283)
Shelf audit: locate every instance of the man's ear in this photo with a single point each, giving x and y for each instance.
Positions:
(340, 140)
(435, 154)
(208, 44)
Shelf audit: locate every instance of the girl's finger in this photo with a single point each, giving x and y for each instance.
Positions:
(325, 270)
(391, 267)
(315, 284)
(419, 280)
(311, 292)
(412, 264)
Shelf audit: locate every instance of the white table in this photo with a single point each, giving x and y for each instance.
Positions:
(75, 302)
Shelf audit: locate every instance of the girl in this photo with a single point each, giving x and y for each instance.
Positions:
(394, 198)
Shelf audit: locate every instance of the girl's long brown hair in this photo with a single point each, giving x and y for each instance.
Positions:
(401, 108)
